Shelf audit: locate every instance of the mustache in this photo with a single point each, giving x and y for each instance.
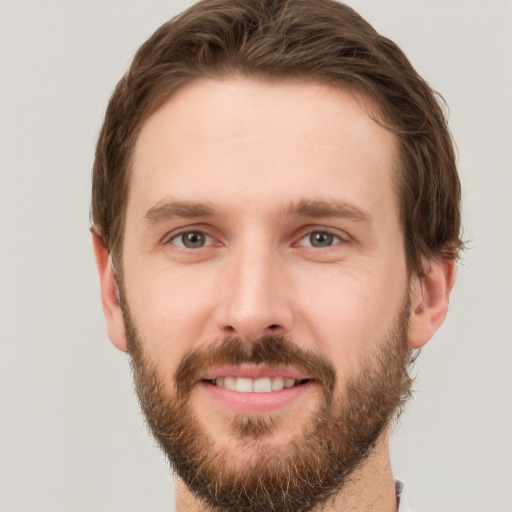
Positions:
(271, 351)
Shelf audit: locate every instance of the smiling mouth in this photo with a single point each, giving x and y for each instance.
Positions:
(261, 385)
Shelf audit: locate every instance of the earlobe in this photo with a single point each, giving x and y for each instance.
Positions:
(109, 293)
(429, 300)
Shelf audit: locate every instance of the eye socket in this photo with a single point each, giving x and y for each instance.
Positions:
(319, 239)
(191, 240)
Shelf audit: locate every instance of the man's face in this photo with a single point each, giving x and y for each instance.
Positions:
(265, 284)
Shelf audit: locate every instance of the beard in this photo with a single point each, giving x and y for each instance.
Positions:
(252, 474)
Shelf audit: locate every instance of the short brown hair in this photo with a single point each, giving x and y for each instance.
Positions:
(280, 40)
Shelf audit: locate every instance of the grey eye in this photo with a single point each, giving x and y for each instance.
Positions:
(321, 239)
(192, 240)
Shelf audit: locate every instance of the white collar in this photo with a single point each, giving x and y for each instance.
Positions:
(402, 497)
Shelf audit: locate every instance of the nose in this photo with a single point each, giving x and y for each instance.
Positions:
(254, 298)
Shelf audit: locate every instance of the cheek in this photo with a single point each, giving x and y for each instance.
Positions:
(348, 314)
(171, 310)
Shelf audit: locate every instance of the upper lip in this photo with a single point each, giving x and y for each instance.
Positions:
(252, 371)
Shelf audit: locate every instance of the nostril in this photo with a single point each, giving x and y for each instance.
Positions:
(273, 327)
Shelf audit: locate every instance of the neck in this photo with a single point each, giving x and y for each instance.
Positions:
(370, 488)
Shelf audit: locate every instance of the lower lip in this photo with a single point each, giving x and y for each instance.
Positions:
(255, 403)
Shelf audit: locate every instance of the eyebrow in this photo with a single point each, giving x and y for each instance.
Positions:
(321, 208)
(166, 210)
(170, 209)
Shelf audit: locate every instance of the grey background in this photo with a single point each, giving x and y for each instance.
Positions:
(71, 437)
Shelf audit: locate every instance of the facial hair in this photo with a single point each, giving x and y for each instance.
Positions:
(336, 439)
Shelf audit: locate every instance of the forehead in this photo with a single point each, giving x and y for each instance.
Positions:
(240, 140)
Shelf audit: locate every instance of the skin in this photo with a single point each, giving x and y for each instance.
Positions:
(251, 152)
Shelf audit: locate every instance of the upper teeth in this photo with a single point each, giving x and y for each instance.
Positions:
(263, 385)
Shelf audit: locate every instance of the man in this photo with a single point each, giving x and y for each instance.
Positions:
(276, 223)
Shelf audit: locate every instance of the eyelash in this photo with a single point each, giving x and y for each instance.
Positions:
(332, 237)
(180, 235)
(335, 239)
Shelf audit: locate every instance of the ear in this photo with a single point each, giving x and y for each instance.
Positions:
(429, 300)
(109, 293)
